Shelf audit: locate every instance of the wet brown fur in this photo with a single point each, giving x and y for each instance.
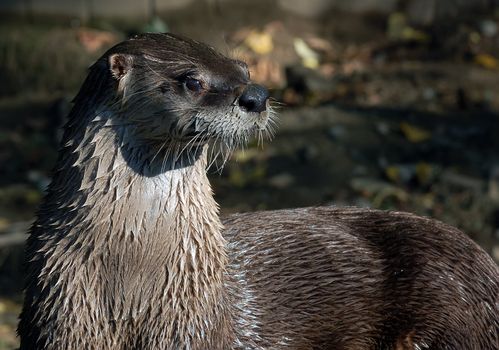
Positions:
(128, 251)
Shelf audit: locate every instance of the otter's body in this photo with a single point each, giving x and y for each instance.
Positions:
(347, 278)
(128, 250)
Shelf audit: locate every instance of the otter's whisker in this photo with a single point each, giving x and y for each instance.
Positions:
(159, 150)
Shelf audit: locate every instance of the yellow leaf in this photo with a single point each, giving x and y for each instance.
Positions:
(424, 172)
(309, 57)
(4, 223)
(260, 42)
(428, 200)
(398, 29)
(487, 61)
(393, 173)
(411, 34)
(246, 155)
(413, 133)
(475, 37)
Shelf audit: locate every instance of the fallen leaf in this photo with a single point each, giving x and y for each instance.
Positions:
(413, 133)
(411, 34)
(243, 156)
(393, 173)
(309, 57)
(398, 29)
(424, 172)
(487, 61)
(4, 224)
(259, 42)
(92, 40)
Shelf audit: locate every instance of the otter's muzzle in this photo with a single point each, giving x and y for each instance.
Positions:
(254, 98)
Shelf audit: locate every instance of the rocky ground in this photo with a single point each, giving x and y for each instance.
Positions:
(374, 112)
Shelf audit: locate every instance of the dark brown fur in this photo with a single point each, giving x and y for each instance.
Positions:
(346, 278)
(128, 251)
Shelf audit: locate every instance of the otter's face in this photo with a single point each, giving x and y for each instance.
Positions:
(175, 90)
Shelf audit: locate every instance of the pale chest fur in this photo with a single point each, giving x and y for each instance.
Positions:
(128, 250)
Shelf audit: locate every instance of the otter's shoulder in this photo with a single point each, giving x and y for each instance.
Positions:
(388, 233)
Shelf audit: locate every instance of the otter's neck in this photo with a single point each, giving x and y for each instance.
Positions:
(153, 236)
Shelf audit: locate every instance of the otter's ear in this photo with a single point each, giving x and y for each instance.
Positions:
(120, 65)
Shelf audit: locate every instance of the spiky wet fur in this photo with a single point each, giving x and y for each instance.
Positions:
(128, 251)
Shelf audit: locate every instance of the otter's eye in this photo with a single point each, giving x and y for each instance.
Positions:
(193, 84)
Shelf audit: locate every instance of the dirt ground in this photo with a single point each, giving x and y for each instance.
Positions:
(374, 112)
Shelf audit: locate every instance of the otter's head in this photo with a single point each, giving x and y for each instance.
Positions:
(174, 92)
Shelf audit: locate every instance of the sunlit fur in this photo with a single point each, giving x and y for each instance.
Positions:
(128, 250)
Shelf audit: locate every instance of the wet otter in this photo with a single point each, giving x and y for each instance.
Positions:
(128, 251)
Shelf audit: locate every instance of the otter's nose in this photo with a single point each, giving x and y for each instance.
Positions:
(254, 98)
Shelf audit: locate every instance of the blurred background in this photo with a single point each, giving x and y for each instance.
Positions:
(388, 104)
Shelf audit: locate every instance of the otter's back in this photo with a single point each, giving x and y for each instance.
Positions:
(355, 279)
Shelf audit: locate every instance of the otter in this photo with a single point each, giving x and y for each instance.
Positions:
(129, 252)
